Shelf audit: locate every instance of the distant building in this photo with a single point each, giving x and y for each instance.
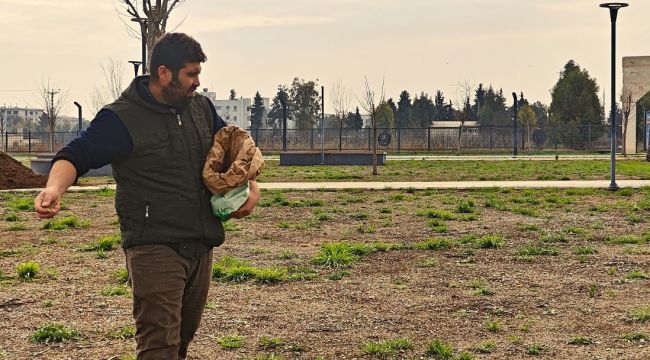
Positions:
(236, 112)
(17, 118)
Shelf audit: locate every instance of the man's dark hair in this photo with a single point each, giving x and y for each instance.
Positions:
(174, 50)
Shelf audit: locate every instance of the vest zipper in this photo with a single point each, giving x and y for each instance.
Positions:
(179, 120)
(146, 211)
(146, 216)
(199, 181)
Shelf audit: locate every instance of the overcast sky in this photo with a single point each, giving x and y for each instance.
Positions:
(416, 45)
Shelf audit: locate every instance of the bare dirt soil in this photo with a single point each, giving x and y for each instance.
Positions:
(13, 175)
(584, 294)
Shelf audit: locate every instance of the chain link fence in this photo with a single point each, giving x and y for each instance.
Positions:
(585, 138)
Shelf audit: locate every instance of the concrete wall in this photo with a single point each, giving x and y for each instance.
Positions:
(636, 78)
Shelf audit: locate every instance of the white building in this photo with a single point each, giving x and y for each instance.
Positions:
(236, 112)
(16, 118)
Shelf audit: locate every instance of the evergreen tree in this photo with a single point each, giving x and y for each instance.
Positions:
(402, 118)
(233, 95)
(493, 111)
(575, 104)
(422, 111)
(393, 107)
(257, 111)
(479, 101)
(440, 111)
(354, 120)
(541, 112)
(385, 116)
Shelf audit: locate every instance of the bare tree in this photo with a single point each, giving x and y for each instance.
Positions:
(53, 100)
(370, 105)
(340, 100)
(152, 19)
(463, 96)
(626, 109)
(112, 89)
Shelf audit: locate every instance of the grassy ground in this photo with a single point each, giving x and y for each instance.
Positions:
(480, 274)
(417, 170)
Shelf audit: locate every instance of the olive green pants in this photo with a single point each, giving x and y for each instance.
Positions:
(169, 295)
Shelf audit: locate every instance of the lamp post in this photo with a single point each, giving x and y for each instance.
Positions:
(613, 12)
(143, 32)
(79, 108)
(514, 124)
(136, 64)
(322, 125)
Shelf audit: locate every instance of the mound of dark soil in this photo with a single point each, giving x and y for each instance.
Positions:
(13, 175)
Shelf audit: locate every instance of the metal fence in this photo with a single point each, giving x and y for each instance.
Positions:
(586, 138)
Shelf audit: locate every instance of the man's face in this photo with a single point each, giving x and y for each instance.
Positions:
(179, 90)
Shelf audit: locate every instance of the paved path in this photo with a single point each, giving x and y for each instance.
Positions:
(501, 157)
(376, 185)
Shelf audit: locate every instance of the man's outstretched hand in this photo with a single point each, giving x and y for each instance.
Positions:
(249, 205)
(48, 203)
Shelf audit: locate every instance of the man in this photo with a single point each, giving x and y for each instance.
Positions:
(156, 136)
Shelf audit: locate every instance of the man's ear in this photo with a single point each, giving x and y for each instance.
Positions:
(164, 74)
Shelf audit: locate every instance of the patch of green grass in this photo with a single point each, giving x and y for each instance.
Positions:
(641, 315)
(492, 241)
(485, 347)
(585, 250)
(553, 238)
(336, 255)
(634, 218)
(21, 204)
(270, 275)
(531, 250)
(121, 276)
(534, 349)
(11, 217)
(529, 227)
(493, 326)
(434, 244)
(338, 275)
(385, 211)
(466, 207)
(28, 270)
(288, 255)
(324, 217)
(439, 350)
(480, 287)
(108, 242)
(118, 290)
(387, 347)
(438, 225)
(230, 342)
(464, 355)
(300, 273)
(54, 333)
(125, 332)
(70, 222)
(437, 214)
(636, 275)
(580, 340)
(105, 191)
(230, 226)
(269, 343)
(10, 252)
(638, 336)
(626, 239)
(17, 227)
(366, 229)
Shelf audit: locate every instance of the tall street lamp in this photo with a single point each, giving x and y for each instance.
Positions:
(143, 32)
(80, 119)
(613, 12)
(514, 123)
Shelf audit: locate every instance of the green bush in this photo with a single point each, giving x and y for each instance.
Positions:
(28, 270)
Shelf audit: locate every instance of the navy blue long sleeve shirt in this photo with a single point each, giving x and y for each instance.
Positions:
(107, 140)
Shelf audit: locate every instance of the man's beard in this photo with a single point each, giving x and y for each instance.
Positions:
(175, 95)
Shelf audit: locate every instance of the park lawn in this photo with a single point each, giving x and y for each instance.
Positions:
(390, 274)
(459, 170)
